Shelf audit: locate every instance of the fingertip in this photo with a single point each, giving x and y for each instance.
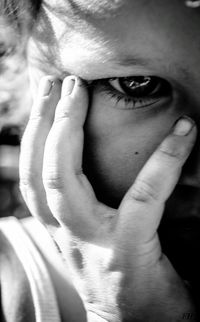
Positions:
(48, 95)
(80, 93)
(74, 97)
(183, 126)
(177, 146)
(68, 86)
(184, 134)
(46, 84)
(73, 86)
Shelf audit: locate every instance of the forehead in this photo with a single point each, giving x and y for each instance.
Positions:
(96, 8)
(95, 35)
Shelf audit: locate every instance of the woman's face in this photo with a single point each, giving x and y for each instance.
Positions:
(144, 60)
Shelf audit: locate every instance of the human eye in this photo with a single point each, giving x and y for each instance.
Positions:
(135, 92)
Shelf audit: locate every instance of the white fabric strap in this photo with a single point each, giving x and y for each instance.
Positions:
(44, 298)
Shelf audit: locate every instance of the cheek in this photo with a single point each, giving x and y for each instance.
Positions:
(117, 145)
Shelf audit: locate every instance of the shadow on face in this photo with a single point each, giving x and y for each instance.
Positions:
(142, 58)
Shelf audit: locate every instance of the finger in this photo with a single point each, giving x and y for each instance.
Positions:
(143, 205)
(63, 151)
(69, 194)
(32, 149)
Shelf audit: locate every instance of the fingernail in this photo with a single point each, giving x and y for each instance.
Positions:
(68, 86)
(45, 87)
(183, 126)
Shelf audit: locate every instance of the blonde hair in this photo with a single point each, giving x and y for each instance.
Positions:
(17, 18)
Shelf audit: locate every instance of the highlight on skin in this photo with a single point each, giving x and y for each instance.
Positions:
(192, 3)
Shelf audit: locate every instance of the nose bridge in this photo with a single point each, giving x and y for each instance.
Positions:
(191, 169)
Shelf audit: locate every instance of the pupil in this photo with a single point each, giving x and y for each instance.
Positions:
(139, 81)
(139, 85)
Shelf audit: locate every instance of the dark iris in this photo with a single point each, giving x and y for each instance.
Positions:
(142, 86)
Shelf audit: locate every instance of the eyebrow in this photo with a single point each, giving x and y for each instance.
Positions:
(178, 72)
(126, 61)
(132, 60)
(129, 60)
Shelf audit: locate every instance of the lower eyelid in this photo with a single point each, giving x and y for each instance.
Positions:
(126, 103)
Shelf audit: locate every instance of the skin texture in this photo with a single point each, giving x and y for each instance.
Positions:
(164, 36)
(118, 140)
(114, 255)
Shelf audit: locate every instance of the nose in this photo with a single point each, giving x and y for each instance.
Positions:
(191, 170)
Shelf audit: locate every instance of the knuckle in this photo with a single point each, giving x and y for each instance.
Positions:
(28, 179)
(144, 191)
(53, 181)
(63, 112)
(61, 116)
(38, 113)
(172, 151)
(34, 119)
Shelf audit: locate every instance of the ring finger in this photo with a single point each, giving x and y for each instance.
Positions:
(32, 149)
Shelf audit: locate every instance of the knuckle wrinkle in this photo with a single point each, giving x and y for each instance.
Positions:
(144, 192)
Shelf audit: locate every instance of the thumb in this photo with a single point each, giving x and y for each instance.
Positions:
(142, 207)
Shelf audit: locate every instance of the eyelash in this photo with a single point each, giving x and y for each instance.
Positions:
(131, 102)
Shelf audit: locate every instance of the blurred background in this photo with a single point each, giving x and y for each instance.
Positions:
(14, 109)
